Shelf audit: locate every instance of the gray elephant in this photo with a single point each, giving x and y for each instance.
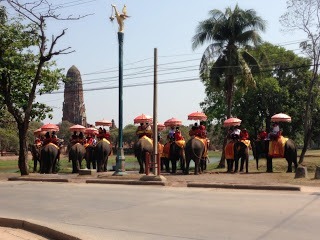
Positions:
(141, 147)
(35, 151)
(195, 150)
(76, 155)
(102, 152)
(48, 158)
(241, 152)
(290, 154)
(90, 157)
(177, 153)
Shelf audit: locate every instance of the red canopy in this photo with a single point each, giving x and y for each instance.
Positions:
(50, 127)
(142, 119)
(197, 116)
(232, 122)
(103, 122)
(281, 117)
(172, 122)
(77, 128)
(91, 131)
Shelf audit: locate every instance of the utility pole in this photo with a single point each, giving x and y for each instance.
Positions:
(155, 113)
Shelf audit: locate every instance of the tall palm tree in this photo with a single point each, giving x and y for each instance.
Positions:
(230, 33)
(225, 62)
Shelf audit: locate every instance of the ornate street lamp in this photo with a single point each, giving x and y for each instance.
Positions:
(120, 160)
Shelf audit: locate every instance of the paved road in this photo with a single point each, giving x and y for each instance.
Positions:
(95, 211)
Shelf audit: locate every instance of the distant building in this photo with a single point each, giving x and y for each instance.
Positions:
(74, 109)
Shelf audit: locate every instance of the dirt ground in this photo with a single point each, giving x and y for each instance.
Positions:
(219, 176)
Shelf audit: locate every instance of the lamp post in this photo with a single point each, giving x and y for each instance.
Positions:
(120, 160)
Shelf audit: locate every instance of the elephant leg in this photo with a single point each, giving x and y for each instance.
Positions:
(242, 164)
(196, 166)
(34, 165)
(140, 161)
(174, 166)
(106, 164)
(74, 165)
(289, 165)
(167, 164)
(229, 165)
(257, 162)
(269, 164)
(236, 165)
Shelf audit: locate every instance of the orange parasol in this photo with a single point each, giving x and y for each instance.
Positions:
(172, 122)
(103, 122)
(142, 119)
(77, 128)
(50, 127)
(161, 127)
(197, 116)
(281, 117)
(232, 122)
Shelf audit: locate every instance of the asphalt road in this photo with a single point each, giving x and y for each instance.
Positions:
(95, 211)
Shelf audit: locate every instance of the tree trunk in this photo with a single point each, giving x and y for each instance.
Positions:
(229, 96)
(23, 151)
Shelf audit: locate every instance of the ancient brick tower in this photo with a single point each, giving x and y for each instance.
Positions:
(73, 106)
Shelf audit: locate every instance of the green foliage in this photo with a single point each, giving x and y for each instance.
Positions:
(9, 140)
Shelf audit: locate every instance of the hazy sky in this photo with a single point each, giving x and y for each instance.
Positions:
(167, 25)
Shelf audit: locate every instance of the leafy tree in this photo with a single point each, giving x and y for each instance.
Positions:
(304, 16)
(26, 67)
(230, 33)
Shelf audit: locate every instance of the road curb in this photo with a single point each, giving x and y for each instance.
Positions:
(128, 182)
(37, 179)
(245, 186)
(36, 229)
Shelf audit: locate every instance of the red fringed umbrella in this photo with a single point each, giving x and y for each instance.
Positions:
(91, 130)
(161, 127)
(197, 116)
(38, 132)
(77, 128)
(142, 119)
(232, 122)
(281, 117)
(172, 122)
(50, 127)
(103, 122)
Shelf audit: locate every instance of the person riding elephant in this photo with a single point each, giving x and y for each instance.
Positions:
(48, 158)
(141, 148)
(76, 155)
(102, 152)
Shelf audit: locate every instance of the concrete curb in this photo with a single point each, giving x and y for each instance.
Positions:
(36, 229)
(128, 182)
(245, 186)
(37, 179)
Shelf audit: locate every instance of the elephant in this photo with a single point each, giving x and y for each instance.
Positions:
(35, 151)
(177, 153)
(194, 150)
(241, 151)
(90, 157)
(76, 155)
(48, 158)
(101, 152)
(165, 157)
(141, 147)
(290, 154)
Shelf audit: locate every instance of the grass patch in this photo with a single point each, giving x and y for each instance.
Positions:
(311, 161)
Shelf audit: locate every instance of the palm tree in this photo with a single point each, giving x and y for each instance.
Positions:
(225, 62)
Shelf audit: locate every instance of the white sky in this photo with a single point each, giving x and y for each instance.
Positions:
(167, 25)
